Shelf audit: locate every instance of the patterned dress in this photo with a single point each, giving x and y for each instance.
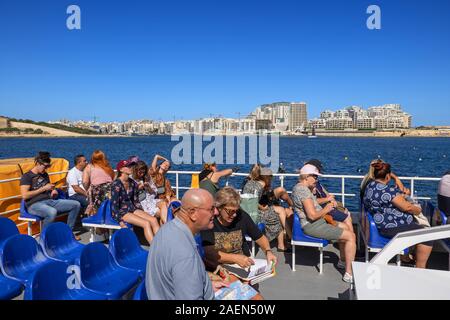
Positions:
(148, 197)
(378, 201)
(123, 202)
(268, 216)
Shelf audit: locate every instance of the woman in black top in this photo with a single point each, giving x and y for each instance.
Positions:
(225, 243)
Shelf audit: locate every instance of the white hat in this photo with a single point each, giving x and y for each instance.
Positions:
(310, 169)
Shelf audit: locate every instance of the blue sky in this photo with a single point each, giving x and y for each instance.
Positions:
(188, 59)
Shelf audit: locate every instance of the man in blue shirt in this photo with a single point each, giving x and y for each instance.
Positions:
(175, 270)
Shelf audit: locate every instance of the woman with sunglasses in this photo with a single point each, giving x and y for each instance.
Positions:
(225, 243)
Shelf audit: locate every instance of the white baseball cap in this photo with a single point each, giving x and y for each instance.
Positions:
(309, 169)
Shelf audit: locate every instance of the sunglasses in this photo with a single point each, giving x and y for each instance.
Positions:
(230, 212)
(45, 165)
(314, 176)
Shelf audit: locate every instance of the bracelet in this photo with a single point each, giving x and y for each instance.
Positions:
(268, 251)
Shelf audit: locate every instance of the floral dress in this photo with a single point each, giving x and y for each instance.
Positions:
(123, 202)
(269, 217)
(148, 197)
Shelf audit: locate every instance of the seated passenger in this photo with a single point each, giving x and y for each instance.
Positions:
(74, 181)
(125, 206)
(148, 191)
(175, 270)
(225, 243)
(158, 174)
(444, 195)
(40, 195)
(340, 214)
(273, 215)
(97, 178)
(369, 177)
(210, 176)
(391, 212)
(312, 218)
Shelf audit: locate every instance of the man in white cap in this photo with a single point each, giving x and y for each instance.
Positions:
(315, 219)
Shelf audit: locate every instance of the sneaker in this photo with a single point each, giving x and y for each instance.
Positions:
(340, 264)
(347, 278)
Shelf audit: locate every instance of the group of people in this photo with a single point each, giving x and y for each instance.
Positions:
(140, 196)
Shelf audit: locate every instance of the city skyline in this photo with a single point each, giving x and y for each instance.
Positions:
(137, 59)
(287, 118)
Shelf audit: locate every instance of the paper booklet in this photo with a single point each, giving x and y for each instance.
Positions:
(236, 291)
(256, 273)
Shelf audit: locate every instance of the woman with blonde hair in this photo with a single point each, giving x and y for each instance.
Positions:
(225, 242)
(97, 179)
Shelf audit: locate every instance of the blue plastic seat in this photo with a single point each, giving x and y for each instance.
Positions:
(99, 217)
(109, 220)
(58, 243)
(21, 256)
(24, 214)
(374, 242)
(7, 229)
(141, 292)
(126, 250)
(101, 274)
(50, 282)
(30, 218)
(200, 249)
(172, 207)
(9, 288)
(299, 238)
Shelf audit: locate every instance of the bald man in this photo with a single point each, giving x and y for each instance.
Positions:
(175, 270)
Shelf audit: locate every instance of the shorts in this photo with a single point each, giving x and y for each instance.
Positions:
(321, 229)
(339, 216)
(391, 232)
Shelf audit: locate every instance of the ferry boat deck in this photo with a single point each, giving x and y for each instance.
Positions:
(306, 283)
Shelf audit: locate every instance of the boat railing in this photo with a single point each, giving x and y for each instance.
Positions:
(343, 179)
(343, 194)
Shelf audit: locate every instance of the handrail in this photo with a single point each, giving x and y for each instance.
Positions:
(281, 177)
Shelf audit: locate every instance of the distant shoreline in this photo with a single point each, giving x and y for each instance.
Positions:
(319, 135)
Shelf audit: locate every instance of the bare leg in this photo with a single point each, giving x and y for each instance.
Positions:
(144, 224)
(344, 226)
(280, 240)
(349, 240)
(349, 223)
(282, 214)
(422, 254)
(153, 221)
(162, 205)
